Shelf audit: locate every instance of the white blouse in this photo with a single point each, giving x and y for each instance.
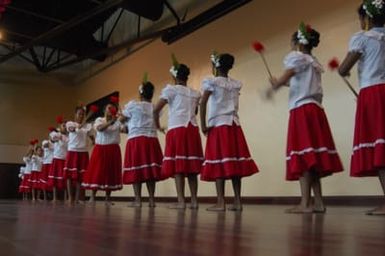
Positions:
(223, 103)
(60, 145)
(111, 135)
(48, 152)
(140, 119)
(78, 139)
(371, 65)
(183, 102)
(305, 85)
(37, 163)
(28, 165)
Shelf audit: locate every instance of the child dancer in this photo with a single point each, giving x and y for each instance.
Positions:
(311, 153)
(143, 158)
(183, 155)
(368, 49)
(227, 155)
(56, 179)
(77, 155)
(37, 162)
(47, 164)
(22, 188)
(105, 167)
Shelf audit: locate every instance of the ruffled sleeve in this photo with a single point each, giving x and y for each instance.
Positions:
(98, 121)
(128, 109)
(168, 93)
(208, 85)
(296, 61)
(357, 43)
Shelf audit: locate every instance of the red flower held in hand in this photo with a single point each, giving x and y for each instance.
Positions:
(258, 46)
(94, 108)
(114, 99)
(334, 64)
(113, 111)
(34, 142)
(60, 119)
(51, 129)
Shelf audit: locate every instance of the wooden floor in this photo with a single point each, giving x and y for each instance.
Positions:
(44, 229)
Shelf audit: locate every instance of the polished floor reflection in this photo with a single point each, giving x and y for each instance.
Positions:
(44, 229)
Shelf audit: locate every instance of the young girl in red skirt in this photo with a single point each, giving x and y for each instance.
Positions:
(183, 154)
(47, 164)
(77, 155)
(105, 168)
(37, 163)
(368, 49)
(311, 153)
(56, 179)
(227, 155)
(143, 158)
(23, 187)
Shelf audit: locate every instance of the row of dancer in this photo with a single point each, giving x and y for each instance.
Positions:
(311, 153)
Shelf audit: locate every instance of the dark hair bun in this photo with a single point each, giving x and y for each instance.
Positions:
(147, 90)
(226, 61)
(183, 72)
(314, 38)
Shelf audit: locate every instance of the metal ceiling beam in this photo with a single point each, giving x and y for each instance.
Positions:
(37, 15)
(172, 10)
(206, 17)
(62, 28)
(108, 51)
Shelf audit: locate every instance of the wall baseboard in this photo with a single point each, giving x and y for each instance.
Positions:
(284, 200)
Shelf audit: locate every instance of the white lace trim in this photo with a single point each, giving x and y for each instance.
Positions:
(308, 150)
(167, 158)
(142, 167)
(228, 159)
(368, 145)
(101, 186)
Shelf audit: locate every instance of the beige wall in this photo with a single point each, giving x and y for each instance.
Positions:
(264, 123)
(29, 103)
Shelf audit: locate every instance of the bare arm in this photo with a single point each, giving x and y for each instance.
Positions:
(282, 80)
(104, 126)
(348, 63)
(203, 109)
(158, 107)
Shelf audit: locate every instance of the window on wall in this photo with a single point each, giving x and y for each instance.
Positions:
(100, 103)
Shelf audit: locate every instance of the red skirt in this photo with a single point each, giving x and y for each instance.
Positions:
(76, 164)
(227, 154)
(25, 185)
(310, 145)
(183, 152)
(369, 133)
(105, 169)
(56, 175)
(143, 160)
(35, 180)
(44, 176)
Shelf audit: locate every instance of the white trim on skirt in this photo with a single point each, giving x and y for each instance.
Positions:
(311, 149)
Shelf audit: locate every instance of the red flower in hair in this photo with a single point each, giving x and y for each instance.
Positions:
(51, 129)
(334, 64)
(258, 46)
(114, 99)
(36, 141)
(308, 28)
(94, 108)
(113, 110)
(60, 119)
